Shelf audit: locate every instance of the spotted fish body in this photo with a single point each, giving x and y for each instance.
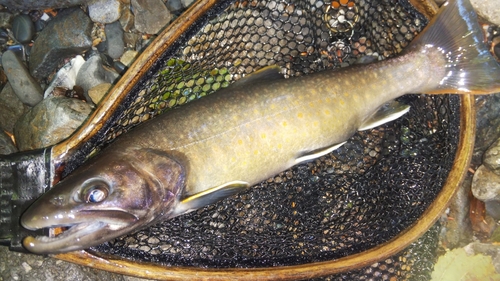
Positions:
(261, 125)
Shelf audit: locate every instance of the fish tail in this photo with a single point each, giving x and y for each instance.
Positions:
(469, 66)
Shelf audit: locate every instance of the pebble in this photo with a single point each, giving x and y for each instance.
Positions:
(66, 76)
(6, 144)
(186, 3)
(11, 108)
(26, 88)
(150, 15)
(62, 38)
(127, 20)
(92, 73)
(485, 184)
(23, 28)
(491, 157)
(114, 40)
(174, 5)
(105, 11)
(5, 19)
(51, 121)
(96, 93)
(129, 57)
(488, 10)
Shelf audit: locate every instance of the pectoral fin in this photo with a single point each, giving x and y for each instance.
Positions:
(209, 196)
(317, 153)
(268, 73)
(386, 113)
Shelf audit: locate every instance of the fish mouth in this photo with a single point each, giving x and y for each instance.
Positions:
(63, 238)
(78, 235)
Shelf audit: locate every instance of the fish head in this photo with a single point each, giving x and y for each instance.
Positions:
(113, 195)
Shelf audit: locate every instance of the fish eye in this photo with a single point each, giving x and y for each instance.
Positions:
(95, 193)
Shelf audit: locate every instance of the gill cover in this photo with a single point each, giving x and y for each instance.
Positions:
(112, 194)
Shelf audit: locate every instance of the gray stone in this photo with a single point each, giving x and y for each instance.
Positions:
(127, 20)
(91, 73)
(187, 3)
(491, 157)
(41, 4)
(5, 19)
(23, 28)
(151, 16)
(11, 108)
(488, 9)
(62, 38)
(486, 184)
(114, 39)
(6, 144)
(105, 11)
(26, 88)
(66, 76)
(50, 122)
(174, 5)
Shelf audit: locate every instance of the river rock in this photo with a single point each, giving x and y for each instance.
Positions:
(66, 76)
(50, 122)
(26, 88)
(62, 38)
(92, 73)
(488, 9)
(114, 40)
(5, 19)
(491, 157)
(105, 11)
(96, 93)
(150, 15)
(6, 144)
(127, 19)
(486, 184)
(11, 108)
(23, 28)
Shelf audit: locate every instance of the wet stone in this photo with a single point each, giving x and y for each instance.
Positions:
(11, 108)
(91, 74)
(26, 88)
(128, 57)
(6, 144)
(150, 15)
(66, 76)
(96, 93)
(105, 11)
(491, 157)
(487, 9)
(51, 121)
(174, 5)
(486, 184)
(23, 28)
(127, 19)
(114, 40)
(62, 38)
(5, 19)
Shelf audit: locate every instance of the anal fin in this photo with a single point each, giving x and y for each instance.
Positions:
(317, 153)
(386, 113)
(209, 196)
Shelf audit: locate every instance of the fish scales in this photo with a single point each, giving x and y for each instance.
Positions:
(275, 123)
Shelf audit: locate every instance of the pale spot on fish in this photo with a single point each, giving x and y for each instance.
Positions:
(300, 115)
(284, 124)
(315, 123)
(279, 146)
(327, 112)
(273, 106)
(240, 142)
(255, 152)
(263, 136)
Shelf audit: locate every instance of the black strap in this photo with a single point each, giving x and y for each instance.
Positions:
(23, 178)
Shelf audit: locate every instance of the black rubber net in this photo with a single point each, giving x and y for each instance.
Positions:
(359, 196)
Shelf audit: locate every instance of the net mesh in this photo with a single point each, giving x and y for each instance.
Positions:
(363, 194)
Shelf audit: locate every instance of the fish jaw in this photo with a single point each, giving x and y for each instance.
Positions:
(111, 195)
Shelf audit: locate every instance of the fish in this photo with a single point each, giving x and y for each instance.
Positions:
(260, 125)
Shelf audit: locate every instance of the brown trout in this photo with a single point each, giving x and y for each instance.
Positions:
(259, 126)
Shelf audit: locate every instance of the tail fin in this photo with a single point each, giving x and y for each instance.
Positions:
(455, 32)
